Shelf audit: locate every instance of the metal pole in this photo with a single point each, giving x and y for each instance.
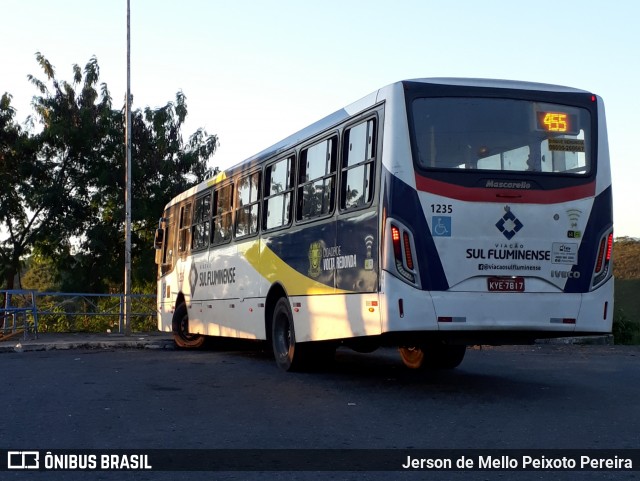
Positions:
(127, 195)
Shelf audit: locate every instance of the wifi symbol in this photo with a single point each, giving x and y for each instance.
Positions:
(574, 215)
(368, 262)
(368, 242)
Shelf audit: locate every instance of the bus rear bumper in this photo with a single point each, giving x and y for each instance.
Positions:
(542, 314)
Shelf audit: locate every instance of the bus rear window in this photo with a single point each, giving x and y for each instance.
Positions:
(488, 134)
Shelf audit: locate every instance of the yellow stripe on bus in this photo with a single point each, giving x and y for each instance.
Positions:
(273, 269)
(217, 179)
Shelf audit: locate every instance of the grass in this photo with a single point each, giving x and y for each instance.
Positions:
(626, 320)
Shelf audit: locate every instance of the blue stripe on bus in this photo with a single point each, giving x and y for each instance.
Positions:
(600, 221)
(402, 203)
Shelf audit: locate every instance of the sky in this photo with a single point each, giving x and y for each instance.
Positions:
(254, 72)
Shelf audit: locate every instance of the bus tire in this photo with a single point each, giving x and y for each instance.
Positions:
(289, 356)
(181, 335)
(445, 356)
(433, 356)
(412, 357)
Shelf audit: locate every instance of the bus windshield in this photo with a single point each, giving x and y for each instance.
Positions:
(493, 134)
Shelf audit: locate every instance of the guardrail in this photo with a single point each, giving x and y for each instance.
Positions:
(32, 311)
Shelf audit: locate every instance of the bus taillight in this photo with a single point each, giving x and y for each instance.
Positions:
(403, 253)
(395, 236)
(609, 247)
(408, 256)
(603, 261)
(600, 260)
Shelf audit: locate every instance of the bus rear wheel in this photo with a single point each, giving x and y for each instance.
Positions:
(412, 357)
(181, 335)
(433, 356)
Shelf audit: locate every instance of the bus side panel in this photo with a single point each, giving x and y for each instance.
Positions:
(599, 223)
(402, 202)
(295, 259)
(221, 292)
(317, 260)
(356, 260)
(596, 310)
(352, 257)
(340, 316)
(405, 309)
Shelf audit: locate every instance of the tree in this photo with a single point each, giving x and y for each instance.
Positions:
(78, 132)
(68, 201)
(17, 232)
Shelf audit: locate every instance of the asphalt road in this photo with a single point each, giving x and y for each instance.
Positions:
(234, 397)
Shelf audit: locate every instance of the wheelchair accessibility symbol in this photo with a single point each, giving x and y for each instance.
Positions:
(441, 226)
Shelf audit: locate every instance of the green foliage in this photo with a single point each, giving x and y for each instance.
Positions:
(40, 275)
(65, 180)
(626, 269)
(625, 330)
(85, 313)
(626, 258)
(17, 148)
(626, 321)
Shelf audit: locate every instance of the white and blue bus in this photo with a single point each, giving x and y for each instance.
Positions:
(431, 215)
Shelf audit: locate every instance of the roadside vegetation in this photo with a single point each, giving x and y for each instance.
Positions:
(626, 269)
(61, 201)
(62, 177)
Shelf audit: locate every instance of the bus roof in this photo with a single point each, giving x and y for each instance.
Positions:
(340, 115)
(498, 83)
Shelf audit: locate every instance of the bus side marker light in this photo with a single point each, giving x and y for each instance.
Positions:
(451, 319)
(562, 320)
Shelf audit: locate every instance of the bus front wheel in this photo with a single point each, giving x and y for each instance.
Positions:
(289, 355)
(433, 356)
(181, 335)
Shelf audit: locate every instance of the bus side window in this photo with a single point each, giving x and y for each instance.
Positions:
(171, 234)
(247, 205)
(278, 192)
(200, 231)
(316, 180)
(358, 159)
(184, 227)
(222, 209)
